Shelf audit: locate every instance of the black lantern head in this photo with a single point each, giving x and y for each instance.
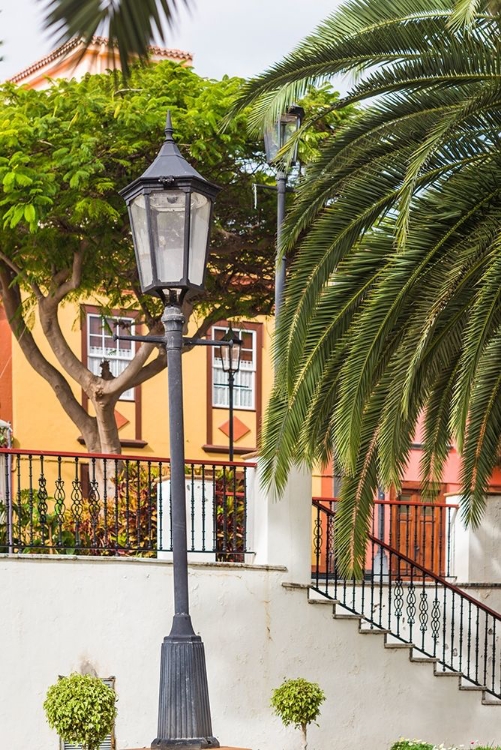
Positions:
(231, 351)
(170, 209)
(281, 132)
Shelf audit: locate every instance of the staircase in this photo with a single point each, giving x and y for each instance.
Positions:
(410, 607)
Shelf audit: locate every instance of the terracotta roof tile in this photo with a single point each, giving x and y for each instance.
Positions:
(97, 40)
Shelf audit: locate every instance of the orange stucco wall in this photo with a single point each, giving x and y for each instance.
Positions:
(5, 368)
(40, 422)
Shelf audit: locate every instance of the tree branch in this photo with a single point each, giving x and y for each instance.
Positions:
(11, 298)
(19, 272)
(63, 285)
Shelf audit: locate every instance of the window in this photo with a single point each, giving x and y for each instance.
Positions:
(244, 393)
(101, 346)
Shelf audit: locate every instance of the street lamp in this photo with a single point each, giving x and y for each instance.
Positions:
(170, 209)
(231, 351)
(275, 138)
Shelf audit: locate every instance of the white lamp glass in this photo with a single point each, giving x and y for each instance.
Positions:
(141, 240)
(199, 231)
(167, 212)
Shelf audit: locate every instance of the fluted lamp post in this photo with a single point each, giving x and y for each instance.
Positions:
(170, 209)
(275, 138)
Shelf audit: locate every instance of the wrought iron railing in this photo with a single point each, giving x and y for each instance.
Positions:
(422, 531)
(414, 605)
(99, 504)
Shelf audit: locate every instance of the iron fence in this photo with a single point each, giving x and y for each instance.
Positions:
(99, 504)
(422, 531)
(413, 605)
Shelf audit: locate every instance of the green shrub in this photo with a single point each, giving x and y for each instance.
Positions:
(81, 709)
(418, 745)
(298, 702)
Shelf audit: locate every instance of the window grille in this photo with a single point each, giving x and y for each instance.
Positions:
(101, 346)
(109, 742)
(244, 388)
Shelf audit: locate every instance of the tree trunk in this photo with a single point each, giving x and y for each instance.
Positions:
(303, 729)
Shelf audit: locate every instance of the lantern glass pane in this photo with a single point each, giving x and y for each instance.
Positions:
(288, 126)
(199, 235)
(167, 214)
(230, 356)
(141, 240)
(271, 142)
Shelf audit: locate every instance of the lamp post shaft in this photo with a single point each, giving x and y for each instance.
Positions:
(280, 263)
(173, 321)
(184, 718)
(231, 381)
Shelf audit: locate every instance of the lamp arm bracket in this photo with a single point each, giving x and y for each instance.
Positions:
(210, 342)
(186, 341)
(147, 339)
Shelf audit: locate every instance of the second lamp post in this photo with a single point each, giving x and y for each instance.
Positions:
(230, 359)
(275, 138)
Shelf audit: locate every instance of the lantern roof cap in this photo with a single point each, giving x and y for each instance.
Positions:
(170, 166)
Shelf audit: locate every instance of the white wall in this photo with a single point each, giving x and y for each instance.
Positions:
(476, 552)
(63, 614)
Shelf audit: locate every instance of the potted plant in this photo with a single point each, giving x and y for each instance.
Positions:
(298, 702)
(81, 709)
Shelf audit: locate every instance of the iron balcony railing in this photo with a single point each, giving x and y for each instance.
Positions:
(422, 531)
(414, 605)
(100, 504)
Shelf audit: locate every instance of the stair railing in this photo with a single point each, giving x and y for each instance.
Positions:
(413, 605)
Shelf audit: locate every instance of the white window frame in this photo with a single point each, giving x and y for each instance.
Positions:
(244, 393)
(118, 358)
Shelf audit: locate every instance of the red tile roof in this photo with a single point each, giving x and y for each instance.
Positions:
(97, 40)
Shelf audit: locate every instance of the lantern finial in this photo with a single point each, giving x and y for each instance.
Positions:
(168, 128)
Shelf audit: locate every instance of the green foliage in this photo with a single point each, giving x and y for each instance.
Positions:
(297, 702)
(230, 515)
(125, 525)
(81, 709)
(392, 310)
(66, 151)
(4, 437)
(403, 744)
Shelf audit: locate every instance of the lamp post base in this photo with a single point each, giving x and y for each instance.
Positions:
(184, 713)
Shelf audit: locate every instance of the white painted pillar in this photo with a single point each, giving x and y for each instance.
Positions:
(280, 528)
(476, 552)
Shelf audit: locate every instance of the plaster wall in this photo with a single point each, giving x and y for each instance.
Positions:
(109, 616)
(476, 551)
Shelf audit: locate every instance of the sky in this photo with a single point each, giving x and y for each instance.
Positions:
(234, 37)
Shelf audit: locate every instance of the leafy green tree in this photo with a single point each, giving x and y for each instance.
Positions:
(64, 229)
(392, 310)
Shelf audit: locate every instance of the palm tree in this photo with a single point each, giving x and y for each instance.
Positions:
(129, 24)
(392, 310)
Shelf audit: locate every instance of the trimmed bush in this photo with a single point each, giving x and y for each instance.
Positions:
(81, 709)
(298, 702)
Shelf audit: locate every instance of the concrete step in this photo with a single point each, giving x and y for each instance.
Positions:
(397, 644)
(423, 659)
(373, 631)
(491, 701)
